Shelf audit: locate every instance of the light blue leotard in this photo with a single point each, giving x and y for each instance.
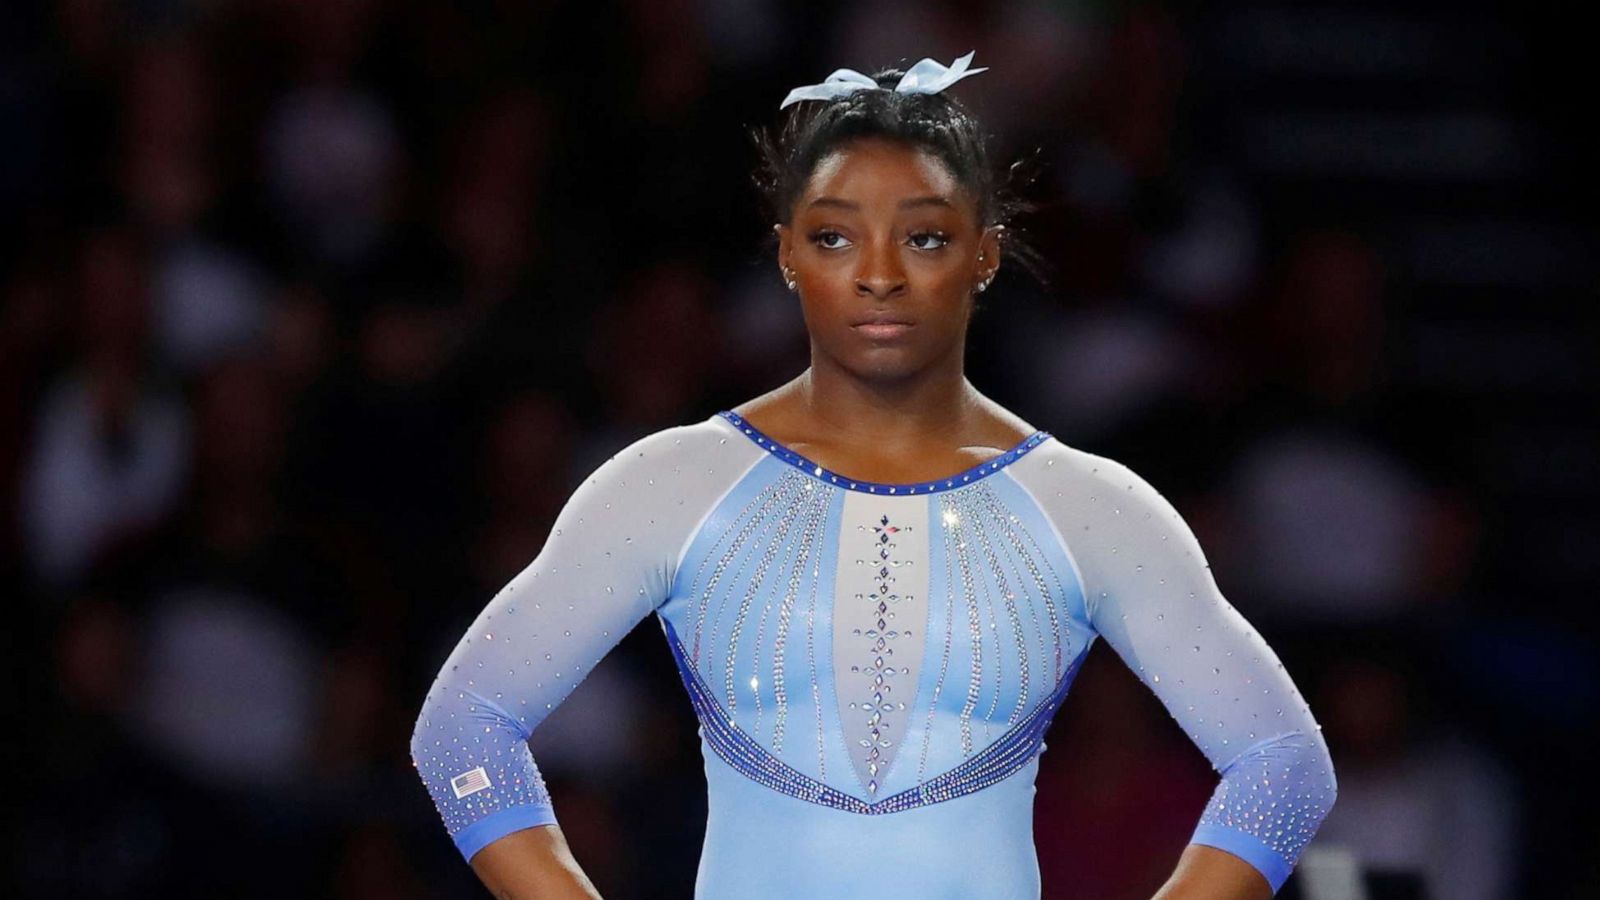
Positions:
(873, 666)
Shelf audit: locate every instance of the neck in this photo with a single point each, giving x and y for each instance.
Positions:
(937, 402)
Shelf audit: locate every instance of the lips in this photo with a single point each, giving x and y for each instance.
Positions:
(883, 331)
(883, 317)
(882, 325)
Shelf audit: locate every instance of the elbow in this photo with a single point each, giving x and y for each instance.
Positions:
(1331, 778)
(436, 735)
(1276, 795)
(1312, 766)
(1297, 762)
(1306, 756)
(1312, 762)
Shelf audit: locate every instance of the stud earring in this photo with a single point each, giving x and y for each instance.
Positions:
(788, 279)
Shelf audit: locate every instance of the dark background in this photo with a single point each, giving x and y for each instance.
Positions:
(313, 313)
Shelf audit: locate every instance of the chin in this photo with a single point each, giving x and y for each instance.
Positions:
(887, 364)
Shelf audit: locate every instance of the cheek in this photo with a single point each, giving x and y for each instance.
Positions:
(821, 311)
(945, 281)
(960, 316)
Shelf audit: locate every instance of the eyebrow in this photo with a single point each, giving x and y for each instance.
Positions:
(913, 203)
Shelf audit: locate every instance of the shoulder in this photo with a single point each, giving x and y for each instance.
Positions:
(656, 490)
(1068, 480)
(1061, 465)
(684, 459)
(1124, 537)
(679, 442)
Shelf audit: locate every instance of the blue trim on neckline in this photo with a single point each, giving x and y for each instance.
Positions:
(959, 479)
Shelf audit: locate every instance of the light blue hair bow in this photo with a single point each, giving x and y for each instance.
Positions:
(926, 77)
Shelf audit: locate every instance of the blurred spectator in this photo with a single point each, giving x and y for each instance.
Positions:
(671, 43)
(223, 665)
(110, 448)
(1329, 527)
(1208, 258)
(144, 830)
(209, 304)
(300, 338)
(224, 656)
(166, 166)
(1413, 799)
(206, 300)
(525, 476)
(767, 334)
(333, 159)
(494, 189)
(662, 327)
(1121, 364)
(1328, 522)
(32, 322)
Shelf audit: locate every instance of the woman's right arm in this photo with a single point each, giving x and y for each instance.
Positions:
(608, 562)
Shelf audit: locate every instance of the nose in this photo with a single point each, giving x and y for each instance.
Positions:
(880, 272)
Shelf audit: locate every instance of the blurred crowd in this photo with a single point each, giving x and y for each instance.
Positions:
(314, 312)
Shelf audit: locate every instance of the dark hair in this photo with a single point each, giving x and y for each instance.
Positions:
(937, 122)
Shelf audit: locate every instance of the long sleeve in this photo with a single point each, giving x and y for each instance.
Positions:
(1150, 593)
(609, 561)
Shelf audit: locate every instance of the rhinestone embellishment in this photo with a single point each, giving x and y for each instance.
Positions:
(878, 710)
(959, 479)
(1013, 750)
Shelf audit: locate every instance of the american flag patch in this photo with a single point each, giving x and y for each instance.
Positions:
(470, 782)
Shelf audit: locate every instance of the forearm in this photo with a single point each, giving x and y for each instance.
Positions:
(533, 864)
(1206, 873)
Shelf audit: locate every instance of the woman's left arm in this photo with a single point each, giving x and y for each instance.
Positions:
(1151, 595)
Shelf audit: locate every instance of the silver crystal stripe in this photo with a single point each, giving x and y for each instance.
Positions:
(999, 760)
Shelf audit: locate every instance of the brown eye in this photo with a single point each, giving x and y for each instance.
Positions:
(940, 239)
(820, 237)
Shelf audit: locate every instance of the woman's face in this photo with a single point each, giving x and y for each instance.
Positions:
(886, 249)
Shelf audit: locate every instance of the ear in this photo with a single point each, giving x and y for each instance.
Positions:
(785, 245)
(989, 249)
